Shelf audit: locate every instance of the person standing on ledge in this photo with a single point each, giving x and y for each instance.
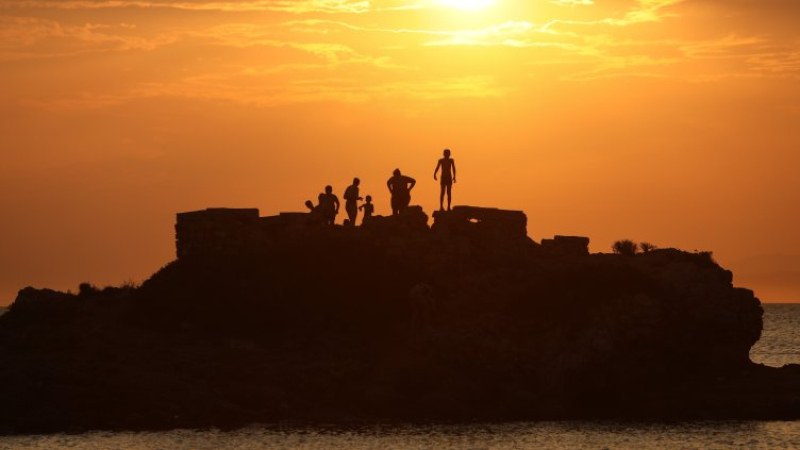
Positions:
(329, 205)
(448, 166)
(400, 186)
(351, 199)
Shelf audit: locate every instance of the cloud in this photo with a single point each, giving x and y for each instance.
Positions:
(702, 60)
(36, 38)
(243, 35)
(250, 87)
(755, 56)
(643, 11)
(774, 7)
(375, 52)
(289, 6)
(511, 34)
(573, 2)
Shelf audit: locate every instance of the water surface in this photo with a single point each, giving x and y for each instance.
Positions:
(780, 338)
(560, 435)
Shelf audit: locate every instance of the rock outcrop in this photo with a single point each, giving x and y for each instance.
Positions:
(277, 318)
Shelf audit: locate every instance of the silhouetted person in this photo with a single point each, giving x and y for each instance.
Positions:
(329, 205)
(351, 199)
(448, 166)
(368, 208)
(315, 212)
(400, 186)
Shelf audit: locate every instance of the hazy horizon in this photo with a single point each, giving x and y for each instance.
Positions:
(667, 121)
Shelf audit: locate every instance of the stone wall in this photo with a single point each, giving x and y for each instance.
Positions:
(213, 231)
(221, 231)
(411, 220)
(489, 222)
(565, 246)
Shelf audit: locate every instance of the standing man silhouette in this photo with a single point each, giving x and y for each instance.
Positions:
(448, 166)
(351, 199)
(329, 205)
(400, 186)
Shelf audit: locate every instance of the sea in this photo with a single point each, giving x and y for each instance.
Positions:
(779, 345)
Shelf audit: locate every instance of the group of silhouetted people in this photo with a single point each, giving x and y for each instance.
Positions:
(400, 187)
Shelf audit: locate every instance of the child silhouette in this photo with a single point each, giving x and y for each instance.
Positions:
(368, 209)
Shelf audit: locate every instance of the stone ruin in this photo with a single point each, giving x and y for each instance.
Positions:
(481, 221)
(230, 231)
(565, 246)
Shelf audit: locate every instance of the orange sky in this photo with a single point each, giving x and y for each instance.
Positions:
(670, 121)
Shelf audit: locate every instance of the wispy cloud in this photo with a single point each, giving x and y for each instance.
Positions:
(228, 87)
(253, 87)
(510, 34)
(251, 35)
(373, 51)
(289, 6)
(644, 11)
(754, 56)
(573, 2)
(36, 38)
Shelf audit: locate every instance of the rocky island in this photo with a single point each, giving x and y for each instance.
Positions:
(275, 319)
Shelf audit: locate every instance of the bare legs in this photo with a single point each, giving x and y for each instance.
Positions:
(446, 188)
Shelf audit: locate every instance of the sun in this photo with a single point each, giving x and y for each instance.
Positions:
(471, 5)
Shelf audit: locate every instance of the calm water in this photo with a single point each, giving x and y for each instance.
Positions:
(562, 435)
(779, 345)
(780, 340)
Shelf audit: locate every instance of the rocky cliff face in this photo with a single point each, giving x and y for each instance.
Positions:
(264, 319)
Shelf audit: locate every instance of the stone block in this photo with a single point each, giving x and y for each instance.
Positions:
(565, 246)
(479, 220)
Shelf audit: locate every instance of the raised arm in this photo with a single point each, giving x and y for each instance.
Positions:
(438, 165)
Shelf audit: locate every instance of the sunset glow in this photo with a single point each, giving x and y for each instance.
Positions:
(667, 121)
